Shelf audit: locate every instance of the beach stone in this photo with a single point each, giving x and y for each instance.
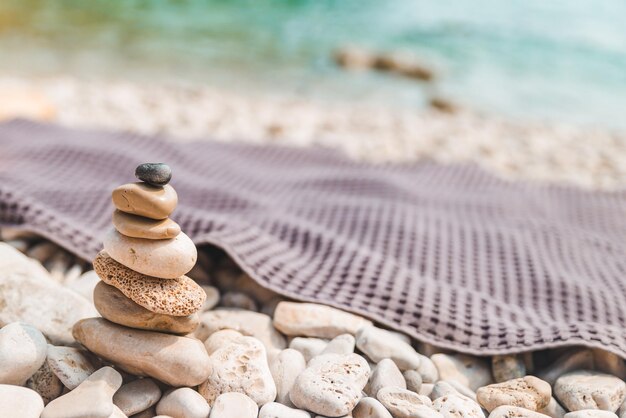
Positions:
(137, 396)
(370, 408)
(427, 369)
(385, 374)
(157, 174)
(145, 200)
(472, 372)
(70, 365)
(92, 398)
(162, 258)
(308, 347)
(174, 360)
(426, 389)
(183, 403)
(114, 306)
(240, 366)
(413, 380)
(554, 409)
(148, 413)
(285, 368)
(277, 410)
(238, 300)
(314, 320)
(402, 403)
(176, 297)
(117, 413)
(45, 383)
(584, 389)
(379, 344)
(527, 392)
(139, 227)
(508, 411)
(591, 413)
(20, 402)
(85, 284)
(212, 297)
(234, 405)
(220, 339)
(22, 352)
(442, 388)
(341, 344)
(253, 324)
(572, 359)
(331, 385)
(507, 367)
(28, 294)
(457, 406)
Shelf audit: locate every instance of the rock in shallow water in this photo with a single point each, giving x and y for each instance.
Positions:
(590, 390)
(177, 361)
(16, 401)
(145, 200)
(183, 403)
(158, 174)
(22, 352)
(528, 392)
(139, 227)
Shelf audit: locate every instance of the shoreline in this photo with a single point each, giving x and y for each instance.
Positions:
(542, 152)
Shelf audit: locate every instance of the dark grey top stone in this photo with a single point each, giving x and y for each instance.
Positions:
(157, 174)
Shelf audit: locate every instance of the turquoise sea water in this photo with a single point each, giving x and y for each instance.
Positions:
(559, 60)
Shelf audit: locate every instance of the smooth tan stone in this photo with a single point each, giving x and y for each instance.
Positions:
(137, 396)
(19, 402)
(379, 344)
(162, 258)
(470, 371)
(93, 398)
(177, 297)
(584, 389)
(177, 361)
(183, 403)
(457, 406)
(507, 411)
(70, 365)
(234, 405)
(314, 320)
(403, 403)
(45, 383)
(139, 227)
(527, 392)
(22, 352)
(145, 200)
(285, 367)
(370, 408)
(114, 306)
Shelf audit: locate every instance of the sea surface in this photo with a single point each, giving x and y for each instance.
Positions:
(562, 60)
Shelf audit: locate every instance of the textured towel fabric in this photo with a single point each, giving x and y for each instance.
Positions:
(447, 254)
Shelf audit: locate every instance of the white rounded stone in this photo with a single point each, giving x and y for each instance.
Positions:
(379, 344)
(137, 396)
(472, 372)
(183, 403)
(370, 408)
(457, 406)
(17, 401)
(403, 403)
(591, 413)
(309, 347)
(277, 410)
(341, 344)
(285, 367)
(508, 411)
(413, 380)
(527, 392)
(22, 352)
(234, 405)
(385, 374)
(590, 390)
(70, 365)
(220, 339)
(315, 320)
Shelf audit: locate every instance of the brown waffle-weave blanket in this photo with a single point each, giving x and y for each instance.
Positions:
(447, 254)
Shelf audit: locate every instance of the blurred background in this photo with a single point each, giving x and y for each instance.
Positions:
(528, 89)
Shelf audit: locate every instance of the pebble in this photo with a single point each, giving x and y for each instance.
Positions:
(385, 374)
(402, 403)
(379, 344)
(85, 284)
(137, 396)
(234, 405)
(174, 360)
(314, 320)
(457, 406)
(31, 296)
(507, 367)
(309, 347)
(183, 403)
(45, 383)
(240, 366)
(277, 410)
(527, 392)
(554, 409)
(20, 402)
(144, 200)
(370, 408)
(442, 388)
(331, 385)
(212, 297)
(590, 390)
(413, 380)
(22, 352)
(508, 411)
(238, 300)
(157, 174)
(220, 339)
(573, 359)
(470, 371)
(590, 413)
(163, 258)
(341, 344)
(114, 306)
(253, 324)
(426, 389)
(70, 365)
(427, 370)
(93, 398)
(139, 227)
(285, 367)
(177, 297)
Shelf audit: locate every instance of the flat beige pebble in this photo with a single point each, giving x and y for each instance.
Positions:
(370, 408)
(386, 373)
(507, 411)
(379, 344)
(22, 352)
(137, 396)
(234, 405)
(277, 410)
(139, 227)
(314, 320)
(527, 392)
(183, 403)
(470, 371)
(20, 402)
(92, 398)
(113, 305)
(403, 403)
(457, 406)
(285, 367)
(590, 413)
(45, 383)
(154, 202)
(177, 297)
(590, 390)
(177, 361)
(70, 365)
(164, 258)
